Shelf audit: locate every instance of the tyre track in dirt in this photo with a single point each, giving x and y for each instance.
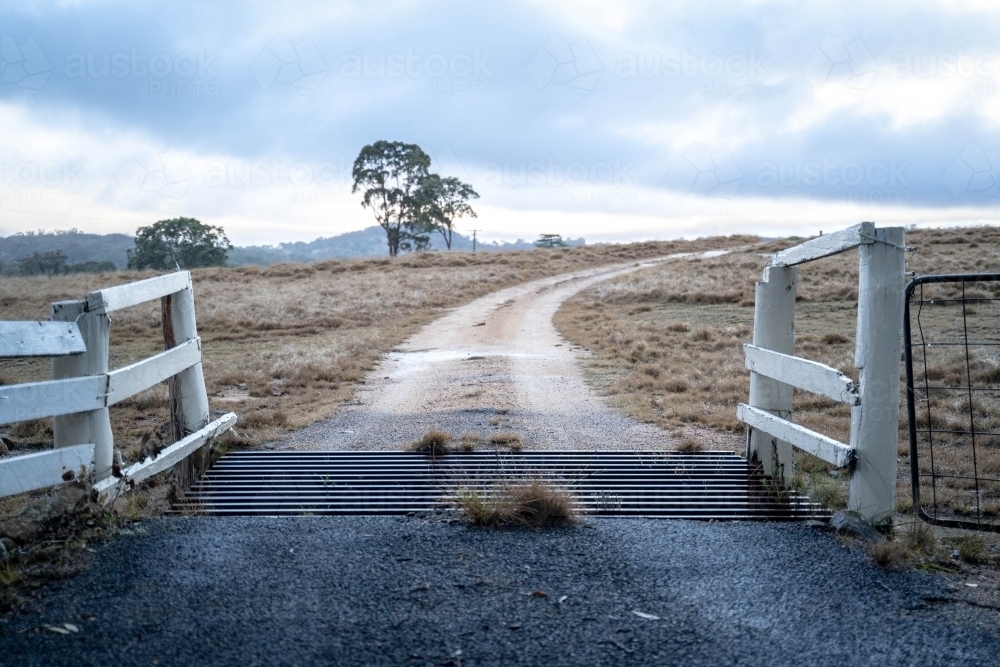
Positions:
(497, 364)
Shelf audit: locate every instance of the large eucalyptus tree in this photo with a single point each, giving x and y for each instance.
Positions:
(390, 174)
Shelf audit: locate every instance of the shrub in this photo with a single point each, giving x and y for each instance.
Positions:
(890, 555)
(469, 441)
(690, 446)
(972, 549)
(506, 439)
(535, 503)
(919, 538)
(432, 442)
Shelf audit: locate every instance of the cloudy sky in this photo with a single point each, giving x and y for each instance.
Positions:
(609, 120)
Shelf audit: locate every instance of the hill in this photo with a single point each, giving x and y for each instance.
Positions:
(370, 242)
(79, 247)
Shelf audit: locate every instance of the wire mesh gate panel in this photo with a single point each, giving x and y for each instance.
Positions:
(710, 485)
(952, 351)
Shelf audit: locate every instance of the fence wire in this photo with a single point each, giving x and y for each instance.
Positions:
(952, 353)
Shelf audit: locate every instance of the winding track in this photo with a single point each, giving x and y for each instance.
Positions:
(495, 364)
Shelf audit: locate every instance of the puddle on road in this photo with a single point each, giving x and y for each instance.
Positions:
(406, 363)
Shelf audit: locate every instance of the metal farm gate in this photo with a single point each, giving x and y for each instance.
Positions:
(951, 326)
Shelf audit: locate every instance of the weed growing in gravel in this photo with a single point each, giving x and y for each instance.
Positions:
(433, 442)
(469, 441)
(535, 503)
(911, 542)
(511, 441)
(972, 549)
(690, 446)
(890, 555)
(919, 538)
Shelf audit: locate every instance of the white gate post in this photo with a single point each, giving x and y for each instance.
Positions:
(188, 399)
(875, 423)
(93, 426)
(773, 329)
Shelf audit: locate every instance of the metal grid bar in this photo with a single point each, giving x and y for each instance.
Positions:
(707, 486)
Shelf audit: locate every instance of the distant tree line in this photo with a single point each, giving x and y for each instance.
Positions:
(83, 251)
(54, 263)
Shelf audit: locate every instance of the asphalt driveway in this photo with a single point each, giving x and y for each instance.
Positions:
(407, 591)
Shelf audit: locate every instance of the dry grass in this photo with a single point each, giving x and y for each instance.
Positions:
(511, 441)
(972, 548)
(690, 446)
(469, 441)
(534, 503)
(665, 346)
(285, 345)
(911, 542)
(433, 443)
(890, 555)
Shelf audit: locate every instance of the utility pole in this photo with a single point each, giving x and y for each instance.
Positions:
(474, 238)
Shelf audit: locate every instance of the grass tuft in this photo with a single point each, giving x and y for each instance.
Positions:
(890, 555)
(690, 446)
(469, 441)
(913, 541)
(511, 441)
(534, 503)
(433, 442)
(919, 538)
(972, 549)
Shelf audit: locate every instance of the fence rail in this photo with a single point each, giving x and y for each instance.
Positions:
(37, 471)
(775, 372)
(802, 374)
(83, 388)
(40, 339)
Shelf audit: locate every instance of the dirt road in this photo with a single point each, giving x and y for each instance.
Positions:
(494, 365)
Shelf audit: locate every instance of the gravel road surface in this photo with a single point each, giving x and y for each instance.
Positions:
(495, 364)
(408, 591)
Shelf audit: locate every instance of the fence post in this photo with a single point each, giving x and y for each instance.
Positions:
(93, 426)
(875, 423)
(188, 398)
(773, 329)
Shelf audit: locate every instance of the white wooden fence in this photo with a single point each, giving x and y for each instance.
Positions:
(82, 389)
(874, 401)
